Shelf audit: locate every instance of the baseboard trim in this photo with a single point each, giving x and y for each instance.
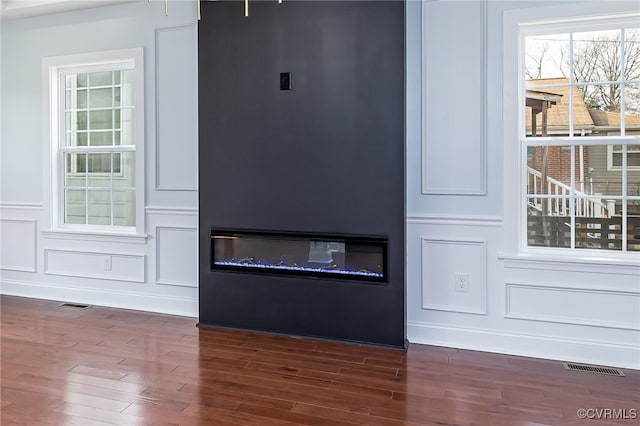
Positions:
(535, 346)
(124, 300)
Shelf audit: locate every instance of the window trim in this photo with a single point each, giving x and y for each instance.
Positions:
(582, 15)
(53, 164)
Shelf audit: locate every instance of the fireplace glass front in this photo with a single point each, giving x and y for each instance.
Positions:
(350, 257)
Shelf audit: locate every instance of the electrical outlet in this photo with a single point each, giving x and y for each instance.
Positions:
(462, 282)
(107, 263)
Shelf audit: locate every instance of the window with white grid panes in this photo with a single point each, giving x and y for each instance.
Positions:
(98, 146)
(580, 135)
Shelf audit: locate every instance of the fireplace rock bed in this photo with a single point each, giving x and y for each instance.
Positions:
(350, 257)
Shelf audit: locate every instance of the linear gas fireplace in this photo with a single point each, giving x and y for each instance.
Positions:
(326, 256)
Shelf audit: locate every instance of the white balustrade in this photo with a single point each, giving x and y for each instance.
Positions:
(594, 206)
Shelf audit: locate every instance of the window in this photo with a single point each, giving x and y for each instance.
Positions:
(96, 117)
(615, 157)
(579, 134)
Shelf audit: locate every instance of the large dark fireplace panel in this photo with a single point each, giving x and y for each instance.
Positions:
(302, 190)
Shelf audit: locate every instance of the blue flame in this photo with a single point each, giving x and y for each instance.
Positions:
(250, 264)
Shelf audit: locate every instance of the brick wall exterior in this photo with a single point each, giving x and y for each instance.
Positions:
(558, 162)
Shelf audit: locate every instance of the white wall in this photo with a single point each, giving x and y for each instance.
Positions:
(156, 273)
(457, 220)
(455, 216)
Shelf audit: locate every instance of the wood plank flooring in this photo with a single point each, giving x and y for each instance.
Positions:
(67, 366)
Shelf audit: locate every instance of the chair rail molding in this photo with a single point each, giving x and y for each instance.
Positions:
(425, 219)
(21, 206)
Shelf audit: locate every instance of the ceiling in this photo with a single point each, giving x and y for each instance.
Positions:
(12, 9)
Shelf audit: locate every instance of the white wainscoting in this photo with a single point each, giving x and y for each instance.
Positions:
(100, 265)
(442, 259)
(176, 256)
(571, 305)
(531, 308)
(176, 109)
(18, 244)
(538, 345)
(158, 302)
(73, 269)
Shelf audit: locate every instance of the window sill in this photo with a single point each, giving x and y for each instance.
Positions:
(627, 265)
(94, 236)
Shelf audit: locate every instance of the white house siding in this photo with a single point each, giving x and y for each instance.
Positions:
(459, 217)
(156, 273)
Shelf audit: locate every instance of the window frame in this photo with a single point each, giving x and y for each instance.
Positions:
(54, 110)
(517, 24)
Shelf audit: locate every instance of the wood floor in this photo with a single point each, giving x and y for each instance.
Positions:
(67, 366)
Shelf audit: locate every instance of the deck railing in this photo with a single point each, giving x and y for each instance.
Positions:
(587, 205)
(591, 232)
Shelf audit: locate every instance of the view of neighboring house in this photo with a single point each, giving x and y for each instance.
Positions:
(597, 168)
(597, 187)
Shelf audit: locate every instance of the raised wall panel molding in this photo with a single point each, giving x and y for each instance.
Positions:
(18, 244)
(98, 265)
(167, 304)
(570, 305)
(454, 98)
(176, 256)
(623, 354)
(442, 259)
(176, 109)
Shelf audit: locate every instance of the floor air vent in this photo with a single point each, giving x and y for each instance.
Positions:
(593, 369)
(74, 305)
